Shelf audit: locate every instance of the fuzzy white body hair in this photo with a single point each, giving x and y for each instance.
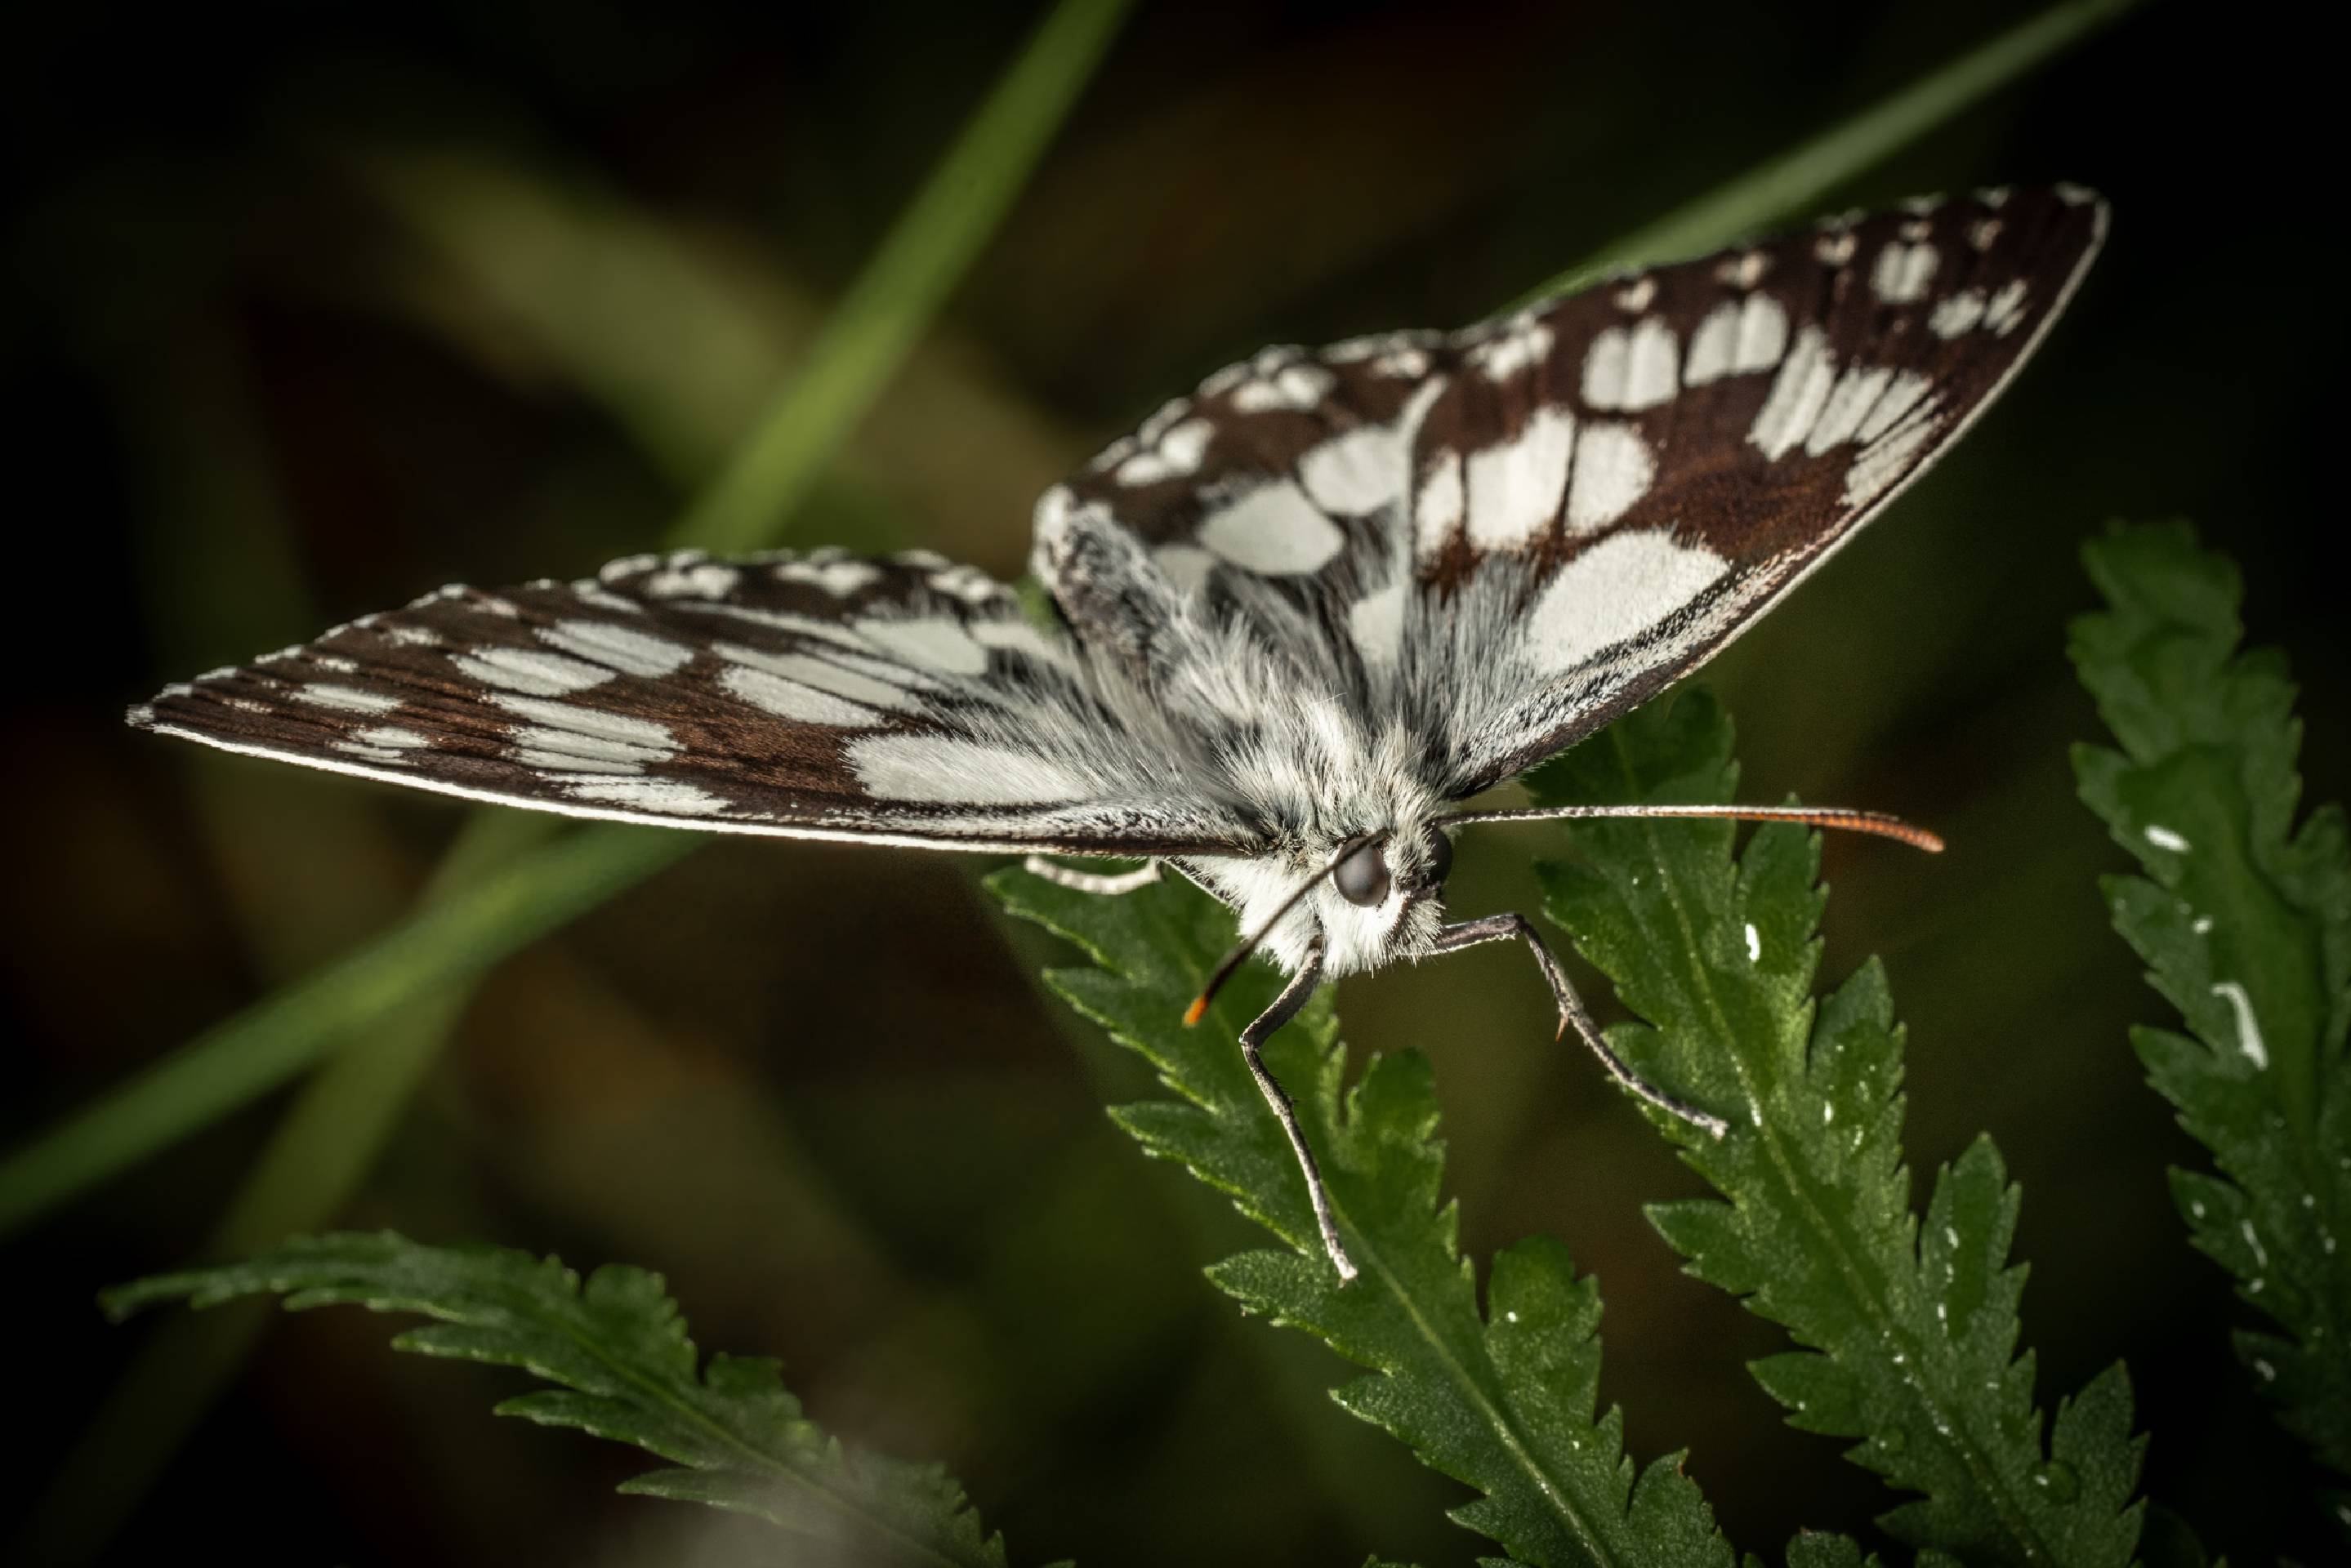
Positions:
(1244, 698)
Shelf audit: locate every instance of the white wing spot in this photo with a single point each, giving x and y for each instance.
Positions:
(1162, 420)
(1614, 469)
(1908, 387)
(1851, 401)
(2165, 838)
(1274, 530)
(1403, 362)
(1509, 347)
(1355, 474)
(627, 567)
(1957, 313)
(1744, 270)
(1631, 370)
(390, 737)
(625, 648)
(1711, 346)
(1834, 249)
(1617, 589)
(1637, 296)
(702, 580)
(821, 675)
(1762, 335)
(1903, 272)
(789, 699)
(1020, 637)
(665, 798)
(1893, 435)
(1798, 394)
(840, 578)
(1983, 232)
(2006, 309)
(1355, 350)
(1277, 379)
(940, 769)
(1376, 623)
(1737, 340)
(529, 671)
(1436, 510)
(1514, 488)
(1176, 452)
(587, 590)
(928, 642)
(344, 699)
(601, 733)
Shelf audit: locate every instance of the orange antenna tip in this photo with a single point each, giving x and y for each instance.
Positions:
(1197, 1010)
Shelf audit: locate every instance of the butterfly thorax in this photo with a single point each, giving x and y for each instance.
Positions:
(1322, 775)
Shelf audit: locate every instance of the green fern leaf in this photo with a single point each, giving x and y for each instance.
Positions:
(1909, 1337)
(618, 1350)
(2245, 922)
(1504, 1400)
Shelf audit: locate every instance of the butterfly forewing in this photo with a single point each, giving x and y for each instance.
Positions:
(818, 695)
(1504, 537)
(1406, 564)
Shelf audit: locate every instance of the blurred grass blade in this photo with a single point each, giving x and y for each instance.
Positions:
(449, 942)
(1798, 178)
(926, 252)
(849, 367)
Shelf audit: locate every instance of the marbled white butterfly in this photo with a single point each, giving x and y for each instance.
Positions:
(1301, 613)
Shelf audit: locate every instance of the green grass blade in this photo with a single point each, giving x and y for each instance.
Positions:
(891, 303)
(450, 942)
(1800, 178)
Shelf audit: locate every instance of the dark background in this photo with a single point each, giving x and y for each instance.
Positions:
(312, 308)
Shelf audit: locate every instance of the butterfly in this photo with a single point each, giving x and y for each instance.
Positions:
(1294, 620)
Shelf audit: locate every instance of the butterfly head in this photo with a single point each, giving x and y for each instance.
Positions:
(1361, 901)
(1383, 897)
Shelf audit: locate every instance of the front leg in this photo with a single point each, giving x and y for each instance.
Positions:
(1503, 927)
(1092, 881)
(1285, 1008)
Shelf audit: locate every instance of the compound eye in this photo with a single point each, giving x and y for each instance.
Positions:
(1440, 858)
(1362, 878)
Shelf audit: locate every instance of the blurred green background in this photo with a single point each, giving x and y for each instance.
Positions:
(313, 309)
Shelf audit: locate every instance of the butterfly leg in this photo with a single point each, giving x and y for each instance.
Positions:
(1507, 928)
(1285, 1008)
(1092, 881)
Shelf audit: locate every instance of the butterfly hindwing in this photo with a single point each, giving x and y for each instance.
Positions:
(1501, 538)
(821, 695)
